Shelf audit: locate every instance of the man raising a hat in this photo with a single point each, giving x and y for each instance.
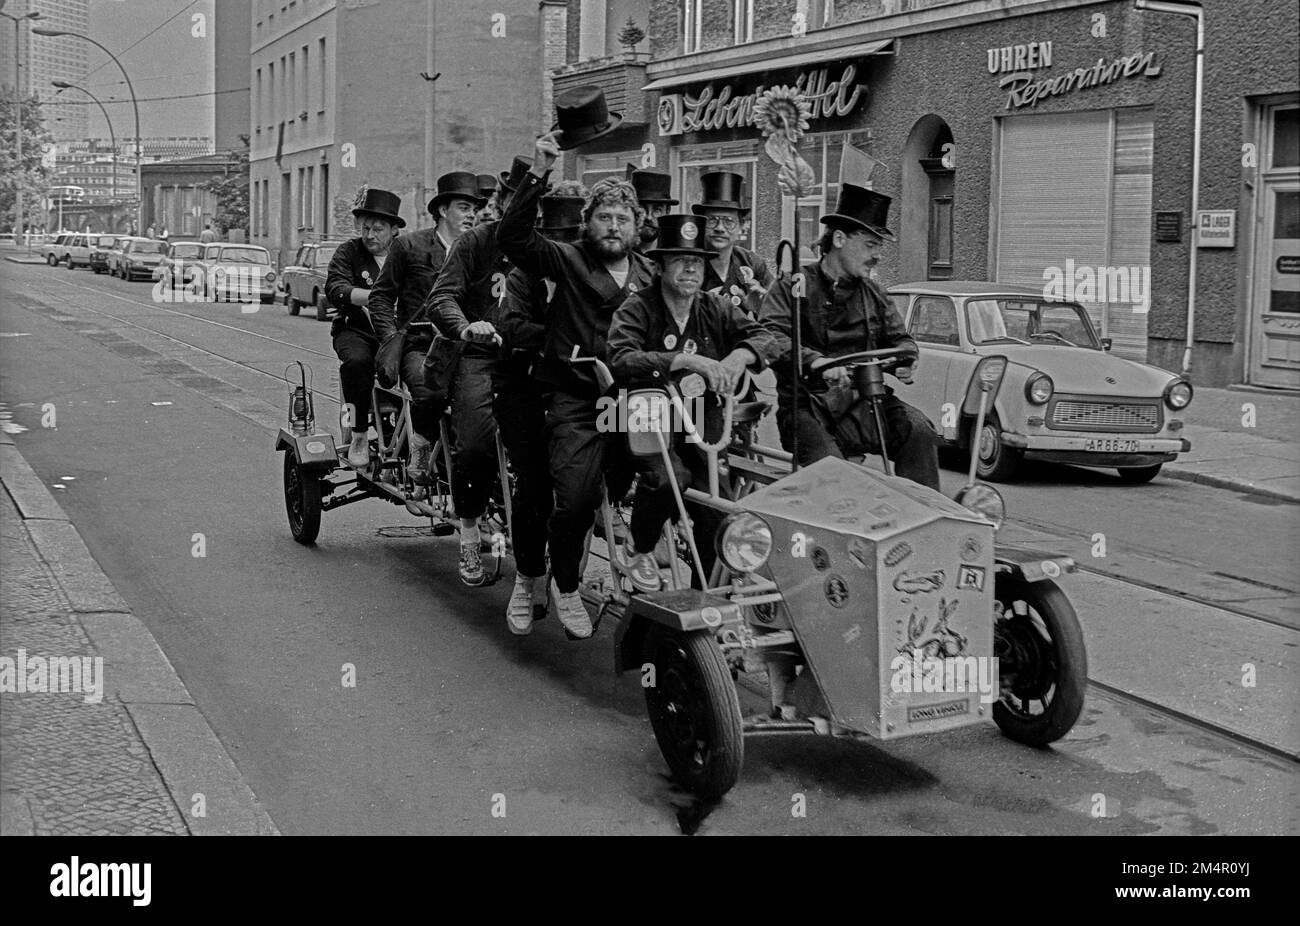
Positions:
(736, 273)
(463, 305)
(353, 270)
(398, 297)
(847, 311)
(668, 327)
(591, 278)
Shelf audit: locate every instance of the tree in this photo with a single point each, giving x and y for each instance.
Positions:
(631, 35)
(231, 191)
(31, 175)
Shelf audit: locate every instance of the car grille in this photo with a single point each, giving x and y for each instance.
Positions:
(1080, 415)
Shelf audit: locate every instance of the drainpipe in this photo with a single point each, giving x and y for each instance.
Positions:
(1189, 8)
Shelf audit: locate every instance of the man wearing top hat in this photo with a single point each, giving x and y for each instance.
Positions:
(463, 305)
(736, 273)
(668, 327)
(591, 278)
(520, 412)
(397, 299)
(352, 272)
(490, 211)
(654, 193)
(847, 311)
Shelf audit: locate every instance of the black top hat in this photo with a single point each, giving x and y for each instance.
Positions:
(379, 203)
(581, 116)
(487, 185)
(459, 184)
(722, 190)
(861, 208)
(561, 212)
(651, 186)
(510, 179)
(680, 233)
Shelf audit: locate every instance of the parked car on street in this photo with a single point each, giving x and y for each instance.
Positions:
(138, 257)
(56, 251)
(99, 249)
(114, 254)
(238, 272)
(303, 281)
(1064, 398)
(180, 266)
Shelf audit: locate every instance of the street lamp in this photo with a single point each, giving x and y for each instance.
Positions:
(64, 85)
(139, 179)
(18, 120)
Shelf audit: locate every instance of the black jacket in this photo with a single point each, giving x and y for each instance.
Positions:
(470, 287)
(585, 293)
(351, 267)
(412, 265)
(735, 287)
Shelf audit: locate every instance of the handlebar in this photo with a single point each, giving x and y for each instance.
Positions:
(878, 357)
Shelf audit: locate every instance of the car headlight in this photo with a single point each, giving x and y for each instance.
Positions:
(744, 542)
(1178, 394)
(1038, 388)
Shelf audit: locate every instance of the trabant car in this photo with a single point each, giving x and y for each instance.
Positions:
(303, 281)
(238, 272)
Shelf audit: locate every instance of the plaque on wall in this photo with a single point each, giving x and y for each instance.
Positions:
(1169, 226)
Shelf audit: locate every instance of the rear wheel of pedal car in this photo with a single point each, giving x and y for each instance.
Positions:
(1136, 475)
(301, 500)
(997, 462)
(694, 710)
(1042, 661)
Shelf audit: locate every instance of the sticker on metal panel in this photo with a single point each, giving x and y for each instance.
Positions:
(315, 446)
(971, 577)
(821, 560)
(913, 583)
(971, 549)
(937, 711)
(837, 591)
(860, 553)
(897, 553)
(842, 505)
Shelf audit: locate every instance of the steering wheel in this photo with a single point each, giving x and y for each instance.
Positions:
(885, 356)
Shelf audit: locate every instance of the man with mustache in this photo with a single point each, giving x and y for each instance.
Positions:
(736, 273)
(397, 298)
(653, 189)
(673, 326)
(847, 311)
(353, 270)
(463, 305)
(592, 278)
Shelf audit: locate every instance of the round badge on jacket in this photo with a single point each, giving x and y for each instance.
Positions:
(689, 347)
(670, 341)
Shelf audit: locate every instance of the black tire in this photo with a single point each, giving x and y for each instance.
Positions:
(997, 462)
(694, 710)
(322, 308)
(51, 260)
(1042, 659)
(1137, 475)
(301, 500)
(294, 305)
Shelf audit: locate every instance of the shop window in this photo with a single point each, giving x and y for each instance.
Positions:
(1286, 138)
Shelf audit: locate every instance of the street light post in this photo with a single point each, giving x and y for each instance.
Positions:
(64, 85)
(18, 121)
(139, 179)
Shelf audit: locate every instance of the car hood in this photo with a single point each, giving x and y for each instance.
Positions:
(1082, 370)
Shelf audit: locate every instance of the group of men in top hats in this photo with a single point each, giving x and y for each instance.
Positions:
(490, 313)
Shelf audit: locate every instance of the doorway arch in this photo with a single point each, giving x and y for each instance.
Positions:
(926, 212)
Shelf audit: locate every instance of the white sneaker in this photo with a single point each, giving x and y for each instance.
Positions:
(643, 570)
(359, 450)
(572, 613)
(519, 612)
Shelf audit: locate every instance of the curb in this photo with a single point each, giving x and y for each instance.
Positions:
(1232, 483)
(25, 260)
(184, 748)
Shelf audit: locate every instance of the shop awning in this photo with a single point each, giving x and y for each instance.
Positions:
(885, 47)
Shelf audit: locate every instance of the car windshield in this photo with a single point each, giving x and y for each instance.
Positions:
(1002, 319)
(187, 250)
(244, 256)
(149, 247)
(325, 255)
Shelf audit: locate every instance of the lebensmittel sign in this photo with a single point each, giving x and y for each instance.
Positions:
(1216, 228)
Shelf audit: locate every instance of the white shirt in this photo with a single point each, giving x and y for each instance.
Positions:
(620, 276)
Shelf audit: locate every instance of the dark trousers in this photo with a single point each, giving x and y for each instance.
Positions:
(356, 352)
(910, 439)
(521, 418)
(474, 436)
(426, 405)
(582, 461)
(654, 503)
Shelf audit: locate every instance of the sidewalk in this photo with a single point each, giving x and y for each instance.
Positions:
(1243, 439)
(129, 756)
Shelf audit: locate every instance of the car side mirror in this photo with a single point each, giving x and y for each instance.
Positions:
(1106, 343)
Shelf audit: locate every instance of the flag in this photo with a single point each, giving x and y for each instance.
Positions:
(856, 166)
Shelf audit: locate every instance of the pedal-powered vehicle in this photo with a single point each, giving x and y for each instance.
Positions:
(318, 476)
(864, 603)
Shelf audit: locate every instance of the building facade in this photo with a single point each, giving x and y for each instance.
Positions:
(45, 59)
(388, 95)
(1047, 142)
(232, 100)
